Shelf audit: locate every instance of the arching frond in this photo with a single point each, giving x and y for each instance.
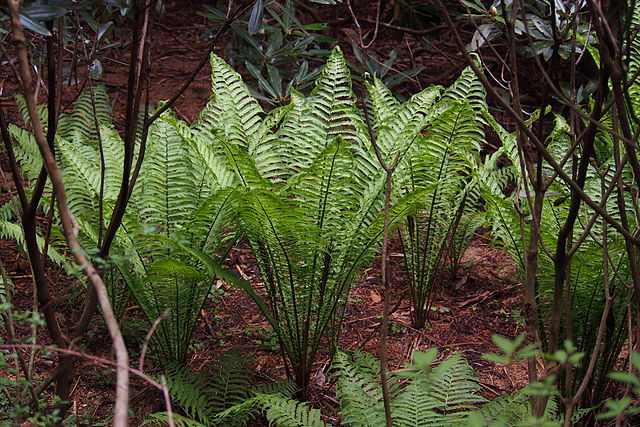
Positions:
(92, 107)
(358, 389)
(231, 108)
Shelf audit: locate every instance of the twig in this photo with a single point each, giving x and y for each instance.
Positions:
(167, 400)
(147, 339)
(69, 224)
(82, 355)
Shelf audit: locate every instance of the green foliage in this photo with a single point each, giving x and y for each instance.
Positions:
(601, 250)
(313, 190)
(202, 397)
(627, 405)
(536, 24)
(279, 51)
(224, 396)
(442, 139)
(177, 203)
(16, 404)
(308, 204)
(461, 238)
(423, 393)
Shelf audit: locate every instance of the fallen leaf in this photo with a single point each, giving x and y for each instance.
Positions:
(375, 297)
(461, 283)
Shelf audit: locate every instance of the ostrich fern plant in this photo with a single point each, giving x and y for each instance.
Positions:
(309, 201)
(311, 194)
(598, 262)
(445, 131)
(179, 202)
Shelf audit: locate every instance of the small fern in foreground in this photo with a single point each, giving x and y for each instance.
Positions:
(224, 396)
(423, 393)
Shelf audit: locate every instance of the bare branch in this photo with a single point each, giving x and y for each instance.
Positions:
(69, 223)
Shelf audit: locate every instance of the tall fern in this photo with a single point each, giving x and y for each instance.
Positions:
(581, 317)
(311, 198)
(178, 199)
(443, 151)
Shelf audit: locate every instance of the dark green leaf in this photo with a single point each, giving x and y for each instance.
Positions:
(33, 25)
(255, 18)
(104, 31)
(43, 12)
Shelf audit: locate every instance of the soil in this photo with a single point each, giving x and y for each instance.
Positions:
(480, 301)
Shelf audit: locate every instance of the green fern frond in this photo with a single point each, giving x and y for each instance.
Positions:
(285, 412)
(469, 89)
(203, 398)
(231, 374)
(461, 237)
(179, 420)
(358, 389)
(91, 107)
(172, 285)
(284, 388)
(167, 190)
(191, 392)
(13, 231)
(27, 152)
(383, 105)
(24, 111)
(80, 174)
(211, 162)
(334, 103)
(634, 57)
(414, 406)
(231, 108)
(453, 385)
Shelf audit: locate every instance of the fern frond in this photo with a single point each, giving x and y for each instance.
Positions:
(27, 152)
(469, 89)
(167, 190)
(358, 389)
(284, 388)
(230, 380)
(285, 412)
(178, 420)
(13, 231)
(231, 109)
(175, 286)
(453, 384)
(190, 391)
(334, 102)
(91, 107)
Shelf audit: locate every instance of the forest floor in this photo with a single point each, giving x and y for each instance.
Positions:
(482, 300)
